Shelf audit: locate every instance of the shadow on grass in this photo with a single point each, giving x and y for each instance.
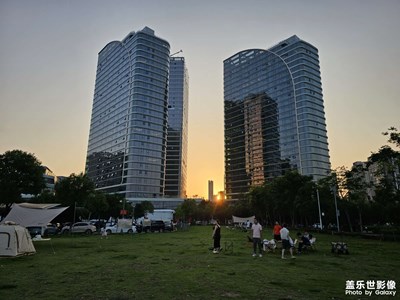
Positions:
(7, 286)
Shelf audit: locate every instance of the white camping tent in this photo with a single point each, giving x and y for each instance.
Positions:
(15, 240)
(30, 214)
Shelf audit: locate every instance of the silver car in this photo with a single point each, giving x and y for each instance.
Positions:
(79, 227)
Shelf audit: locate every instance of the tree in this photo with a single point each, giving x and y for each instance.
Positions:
(241, 208)
(20, 173)
(357, 188)
(221, 211)
(288, 197)
(306, 204)
(387, 192)
(74, 190)
(186, 210)
(204, 210)
(258, 201)
(394, 136)
(141, 209)
(290, 191)
(333, 189)
(115, 204)
(148, 207)
(388, 167)
(97, 204)
(46, 196)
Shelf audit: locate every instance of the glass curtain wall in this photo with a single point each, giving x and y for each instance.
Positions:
(127, 140)
(274, 116)
(176, 163)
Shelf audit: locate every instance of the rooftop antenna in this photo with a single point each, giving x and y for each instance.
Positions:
(176, 53)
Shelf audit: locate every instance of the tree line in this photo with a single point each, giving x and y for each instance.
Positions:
(344, 195)
(292, 198)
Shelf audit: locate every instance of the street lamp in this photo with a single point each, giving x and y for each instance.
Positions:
(319, 210)
(333, 189)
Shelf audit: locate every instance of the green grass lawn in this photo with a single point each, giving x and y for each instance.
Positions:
(179, 265)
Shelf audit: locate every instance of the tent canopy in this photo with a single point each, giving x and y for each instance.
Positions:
(239, 220)
(30, 214)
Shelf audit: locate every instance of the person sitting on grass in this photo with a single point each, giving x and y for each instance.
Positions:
(303, 241)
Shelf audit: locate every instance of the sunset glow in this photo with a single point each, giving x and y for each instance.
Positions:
(48, 65)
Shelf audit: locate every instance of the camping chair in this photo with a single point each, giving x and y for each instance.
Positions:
(269, 245)
(339, 248)
(311, 246)
(278, 244)
(312, 243)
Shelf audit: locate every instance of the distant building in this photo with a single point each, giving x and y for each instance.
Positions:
(177, 137)
(164, 203)
(373, 174)
(367, 177)
(274, 116)
(210, 190)
(128, 129)
(221, 196)
(159, 203)
(50, 179)
(60, 178)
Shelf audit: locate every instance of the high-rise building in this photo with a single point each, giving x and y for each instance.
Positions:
(128, 130)
(210, 190)
(274, 115)
(177, 138)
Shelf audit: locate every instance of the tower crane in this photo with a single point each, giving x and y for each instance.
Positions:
(176, 53)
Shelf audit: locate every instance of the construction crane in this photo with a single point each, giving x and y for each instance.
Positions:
(176, 53)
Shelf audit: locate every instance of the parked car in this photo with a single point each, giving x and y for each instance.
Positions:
(98, 223)
(157, 226)
(42, 230)
(114, 228)
(169, 225)
(51, 229)
(154, 225)
(79, 227)
(36, 230)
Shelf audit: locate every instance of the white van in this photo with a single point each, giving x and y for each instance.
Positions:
(122, 226)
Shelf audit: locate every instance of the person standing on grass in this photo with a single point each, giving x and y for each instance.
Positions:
(276, 231)
(285, 237)
(217, 237)
(257, 229)
(103, 233)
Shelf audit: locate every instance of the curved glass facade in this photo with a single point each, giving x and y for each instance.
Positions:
(128, 130)
(274, 115)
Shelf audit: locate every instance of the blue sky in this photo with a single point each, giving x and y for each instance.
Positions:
(48, 58)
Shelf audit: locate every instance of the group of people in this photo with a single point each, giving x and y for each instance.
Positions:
(280, 233)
